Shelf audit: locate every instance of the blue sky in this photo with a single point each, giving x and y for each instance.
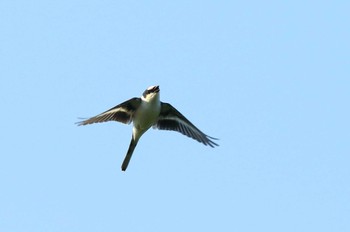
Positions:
(270, 79)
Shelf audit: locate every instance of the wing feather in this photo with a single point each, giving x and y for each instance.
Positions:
(171, 119)
(121, 113)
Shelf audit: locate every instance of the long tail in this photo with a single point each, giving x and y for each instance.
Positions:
(127, 158)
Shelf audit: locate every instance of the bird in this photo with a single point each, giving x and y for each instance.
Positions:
(148, 111)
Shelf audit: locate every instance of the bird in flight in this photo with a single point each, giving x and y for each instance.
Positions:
(148, 111)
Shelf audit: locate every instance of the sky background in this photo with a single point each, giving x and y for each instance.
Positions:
(270, 79)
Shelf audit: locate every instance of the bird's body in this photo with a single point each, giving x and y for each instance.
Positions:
(146, 112)
(145, 116)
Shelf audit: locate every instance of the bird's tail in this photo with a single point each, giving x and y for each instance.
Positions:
(127, 158)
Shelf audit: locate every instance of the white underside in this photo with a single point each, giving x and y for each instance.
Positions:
(145, 116)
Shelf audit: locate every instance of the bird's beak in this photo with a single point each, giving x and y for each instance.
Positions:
(156, 89)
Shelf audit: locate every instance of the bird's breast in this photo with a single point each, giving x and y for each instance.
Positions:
(146, 116)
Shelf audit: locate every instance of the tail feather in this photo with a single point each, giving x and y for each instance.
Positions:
(127, 158)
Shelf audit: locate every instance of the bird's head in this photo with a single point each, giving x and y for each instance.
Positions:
(150, 93)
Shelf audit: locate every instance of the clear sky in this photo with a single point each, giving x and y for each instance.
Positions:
(270, 79)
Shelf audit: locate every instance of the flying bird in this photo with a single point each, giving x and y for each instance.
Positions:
(148, 111)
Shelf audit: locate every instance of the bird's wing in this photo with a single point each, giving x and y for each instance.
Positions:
(171, 119)
(121, 113)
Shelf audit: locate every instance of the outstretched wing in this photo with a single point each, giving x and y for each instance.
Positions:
(122, 113)
(171, 119)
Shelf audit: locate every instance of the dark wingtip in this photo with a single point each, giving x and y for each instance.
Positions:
(212, 137)
(80, 123)
(210, 142)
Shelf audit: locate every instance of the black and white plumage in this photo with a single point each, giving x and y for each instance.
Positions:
(148, 111)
